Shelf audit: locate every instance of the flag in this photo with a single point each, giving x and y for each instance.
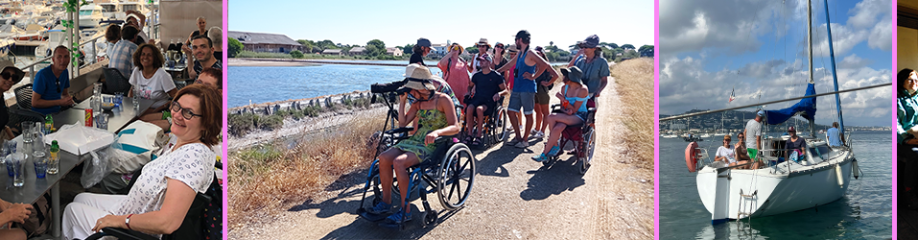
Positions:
(732, 95)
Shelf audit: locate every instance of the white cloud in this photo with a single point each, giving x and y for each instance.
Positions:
(853, 61)
(881, 36)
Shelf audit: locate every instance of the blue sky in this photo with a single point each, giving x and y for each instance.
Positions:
(401, 22)
(759, 46)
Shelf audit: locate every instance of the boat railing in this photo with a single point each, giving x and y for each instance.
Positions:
(94, 59)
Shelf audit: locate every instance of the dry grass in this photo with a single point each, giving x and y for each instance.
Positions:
(634, 82)
(267, 178)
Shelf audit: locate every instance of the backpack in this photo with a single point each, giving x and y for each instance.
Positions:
(40, 219)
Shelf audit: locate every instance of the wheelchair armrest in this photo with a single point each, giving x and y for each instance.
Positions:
(591, 110)
(121, 233)
(443, 139)
(400, 130)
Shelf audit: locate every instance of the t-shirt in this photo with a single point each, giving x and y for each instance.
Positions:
(834, 138)
(593, 71)
(155, 88)
(50, 88)
(486, 85)
(790, 145)
(545, 77)
(753, 129)
(191, 164)
(198, 68)
(726, 152)
(416, 58)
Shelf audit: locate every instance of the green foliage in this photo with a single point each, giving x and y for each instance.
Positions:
(296, 54)
(235, 47)
(248, 54)
(378, 48)
(471, 49)
(307, 44)
(409, 49)
(269, 122)
(241, 124)
(627, 46)
(646, 51)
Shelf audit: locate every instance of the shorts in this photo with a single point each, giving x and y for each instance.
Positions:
(752, 153)
(483, 102)
(582, 116)
(522, 101)
(541, 96)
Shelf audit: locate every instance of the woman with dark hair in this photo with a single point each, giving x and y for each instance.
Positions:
(150, 81)
(544, 83)
(166, 187)
(421, 49)
(906, 131)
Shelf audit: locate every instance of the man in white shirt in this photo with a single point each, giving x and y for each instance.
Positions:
(725, 153)
(753, 133)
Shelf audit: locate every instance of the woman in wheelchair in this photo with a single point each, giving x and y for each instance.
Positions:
(487, 87)
(438, 83)
(166, 187)
(574, 111)
(434, 115)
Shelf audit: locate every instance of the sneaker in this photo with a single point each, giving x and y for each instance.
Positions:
(554, 151)
(538, 134)
(397, 217)
(522, 144)
(381, 208)
(513, 142)
(533, 132)
(542, 157)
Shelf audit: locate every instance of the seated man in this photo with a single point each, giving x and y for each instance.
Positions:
(725, 153)
(49, 88)
(486, 88)
(202, 48)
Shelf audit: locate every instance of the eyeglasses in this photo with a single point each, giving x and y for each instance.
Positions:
(186, 113)
(6, 75)
(499, 46)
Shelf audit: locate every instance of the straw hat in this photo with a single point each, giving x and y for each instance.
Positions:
(419, 77)
(483, 41)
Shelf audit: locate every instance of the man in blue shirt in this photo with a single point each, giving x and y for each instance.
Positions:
(836, 139)
(49, 88)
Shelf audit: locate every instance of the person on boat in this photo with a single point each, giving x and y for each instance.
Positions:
(595, 67)
(454, 71)
(435, 115)
(51, 84)
(9, 75)
(483, 48)
(742, 156)
(167, 186)
(754, 132)
(573, 98)
(216, 35)
(725, 153)
(794, 144)
(907, 132)
(420, 49)
(544, 83)
(836, 138)
(526, 68)
(203, 53)
(150, 81)
(120, 56)
(409, 98)
(201, 31)
(487, 87)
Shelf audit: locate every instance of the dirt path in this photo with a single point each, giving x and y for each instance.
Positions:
(512, 198)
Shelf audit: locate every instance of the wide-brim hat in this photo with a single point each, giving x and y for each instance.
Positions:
(419, 77)
(483, 42)
(17, 76)
(573, 73)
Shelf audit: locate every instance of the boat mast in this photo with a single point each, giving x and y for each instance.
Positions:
(809, 33)
(841, 121)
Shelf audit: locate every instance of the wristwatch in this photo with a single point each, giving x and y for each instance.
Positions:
(127, 221)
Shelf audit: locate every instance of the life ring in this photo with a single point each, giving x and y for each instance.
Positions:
(691, 156)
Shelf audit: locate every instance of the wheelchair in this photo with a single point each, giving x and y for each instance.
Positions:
(494, 127)
(583, 136)
(450, 173)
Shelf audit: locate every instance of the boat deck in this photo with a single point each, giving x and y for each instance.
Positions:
(907, 223)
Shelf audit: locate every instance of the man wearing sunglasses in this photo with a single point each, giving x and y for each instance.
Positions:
(49, 88)
(9, 76)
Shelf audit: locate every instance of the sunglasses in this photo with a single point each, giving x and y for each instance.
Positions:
(499, 46)
(6, 75)
(186, 113)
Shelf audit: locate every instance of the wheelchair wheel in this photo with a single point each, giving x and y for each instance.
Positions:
(430, 217)
(587, 150)
(500, 127)
(456, 176)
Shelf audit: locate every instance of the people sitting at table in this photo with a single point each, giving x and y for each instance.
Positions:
(9, 76)
(211, 77)
(166, 187)
(216, 35)
(150, 81)
(13, 213)
(203, 53)
(49, 88)
(120, 56)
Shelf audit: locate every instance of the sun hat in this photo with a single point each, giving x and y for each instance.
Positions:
(483, 41)
(8, 64)
(573, 73)
(419, 77)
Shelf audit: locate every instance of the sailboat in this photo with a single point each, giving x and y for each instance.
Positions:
(820, 176)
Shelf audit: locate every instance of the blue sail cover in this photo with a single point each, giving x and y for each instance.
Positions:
(806, 107)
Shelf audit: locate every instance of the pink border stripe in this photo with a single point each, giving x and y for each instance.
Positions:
(656, 119)
(893, 105)
(225, 156)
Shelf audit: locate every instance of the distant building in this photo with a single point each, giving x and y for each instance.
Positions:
(357, 51)
(394, 52)
(439, 48)
(265, 42)
(332, 52)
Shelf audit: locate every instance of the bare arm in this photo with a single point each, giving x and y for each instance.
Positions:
(510, 64)
(175, 205)
(444, 62)
(402, 116)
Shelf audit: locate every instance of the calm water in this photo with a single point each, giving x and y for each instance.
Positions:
(865, 212)
(269, 84)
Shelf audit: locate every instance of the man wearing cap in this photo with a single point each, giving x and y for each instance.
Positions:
(794, 144)
(9, 76)
(51, 84)
(421, 49)
(121, 54)
(753, 133)
(527, 66)
(836, 138)
(486, 88)
(483, 48)
(203, 53)
(595, 67)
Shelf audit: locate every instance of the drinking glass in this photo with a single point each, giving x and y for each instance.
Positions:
(17, 163)
(40, 162)
(102, 121)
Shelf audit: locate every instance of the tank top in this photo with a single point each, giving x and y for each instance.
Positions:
(521, 84)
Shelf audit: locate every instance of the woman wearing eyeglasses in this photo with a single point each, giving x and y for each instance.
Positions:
(164, 191)
(9, 76)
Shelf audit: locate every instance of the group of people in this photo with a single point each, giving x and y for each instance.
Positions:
(745, 152)
(436, 104)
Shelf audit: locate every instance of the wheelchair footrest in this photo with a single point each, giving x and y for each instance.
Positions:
(372, 217)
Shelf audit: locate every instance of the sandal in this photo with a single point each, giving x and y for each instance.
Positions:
(476, 142)
(468, 139)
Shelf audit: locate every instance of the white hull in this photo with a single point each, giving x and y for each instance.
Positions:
(773, 190)
(89, 22)
(705, 135)
(669, 136)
